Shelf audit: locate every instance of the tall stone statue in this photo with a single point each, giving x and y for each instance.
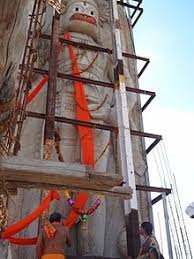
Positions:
(87, 22)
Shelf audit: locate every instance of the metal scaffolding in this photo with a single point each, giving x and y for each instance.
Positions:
(123, 130)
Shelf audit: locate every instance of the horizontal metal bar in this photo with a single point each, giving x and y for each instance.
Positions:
(75, 78)
(99, 83)
(146, 135)
(91, 125)
(140, 91)
(133, 56)
(94, 48)
(79, 44)
(100, 49)
(153, 189)
(94, 82)
(139, 1)
(73, 122)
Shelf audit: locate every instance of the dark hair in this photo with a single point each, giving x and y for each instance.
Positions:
(147, 226)
(55, 217)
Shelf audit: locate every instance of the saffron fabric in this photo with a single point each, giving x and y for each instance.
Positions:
(50, 230)
(80, 202)
(85, 133)
(37, 89)
(17, 227)
(82, 112)
(23, 241)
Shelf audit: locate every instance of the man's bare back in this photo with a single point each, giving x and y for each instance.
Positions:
(47, 245)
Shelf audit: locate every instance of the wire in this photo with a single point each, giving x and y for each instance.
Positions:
(178, 199)
(163, 180)
(175, 207)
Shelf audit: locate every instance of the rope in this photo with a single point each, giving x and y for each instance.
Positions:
(101, 155)
(58, 147)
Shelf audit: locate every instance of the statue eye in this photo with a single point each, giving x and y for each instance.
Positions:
(92, 13)
(77, 9)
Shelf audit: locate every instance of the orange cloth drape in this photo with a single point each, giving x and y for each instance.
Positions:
(37, 89)
(17, 227)
(85, 133)
(80, 202)
(23, 241)
(82, 113)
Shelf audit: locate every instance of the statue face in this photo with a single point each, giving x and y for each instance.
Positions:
(82, 17)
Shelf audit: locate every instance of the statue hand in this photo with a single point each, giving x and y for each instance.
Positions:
(99, 113)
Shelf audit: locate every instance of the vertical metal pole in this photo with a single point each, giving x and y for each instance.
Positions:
(51, 91)
(125, 145)
(166, 217)
(51, 97)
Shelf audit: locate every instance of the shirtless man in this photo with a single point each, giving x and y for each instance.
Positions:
(52, 239)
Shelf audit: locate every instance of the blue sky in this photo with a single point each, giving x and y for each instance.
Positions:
(165, 34)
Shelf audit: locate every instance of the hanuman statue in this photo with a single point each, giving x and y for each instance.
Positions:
(86, 22)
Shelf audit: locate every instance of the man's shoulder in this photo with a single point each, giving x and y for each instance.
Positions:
(61, 227)
(153, 239)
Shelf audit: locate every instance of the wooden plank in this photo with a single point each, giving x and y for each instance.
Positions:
(41, 171)
(48, 174)
(117, 191)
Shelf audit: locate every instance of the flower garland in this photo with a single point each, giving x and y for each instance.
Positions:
(84, 213)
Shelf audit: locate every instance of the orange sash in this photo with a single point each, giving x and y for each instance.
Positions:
(82, 112)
